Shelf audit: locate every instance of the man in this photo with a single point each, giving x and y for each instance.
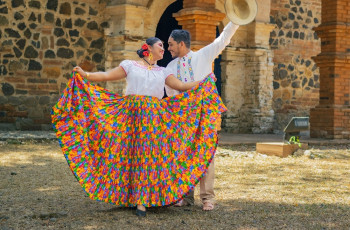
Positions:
(189, 66)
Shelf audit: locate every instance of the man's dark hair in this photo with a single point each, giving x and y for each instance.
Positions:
(181, 36)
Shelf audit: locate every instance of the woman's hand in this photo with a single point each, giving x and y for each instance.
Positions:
(80, 71)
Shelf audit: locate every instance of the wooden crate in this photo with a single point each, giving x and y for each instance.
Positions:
(278, 148)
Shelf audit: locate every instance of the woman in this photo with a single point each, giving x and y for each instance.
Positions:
(137, 150)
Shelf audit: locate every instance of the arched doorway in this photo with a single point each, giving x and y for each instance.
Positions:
(217, 67)
(166, 24)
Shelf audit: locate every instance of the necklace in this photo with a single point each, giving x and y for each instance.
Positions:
(150, 66)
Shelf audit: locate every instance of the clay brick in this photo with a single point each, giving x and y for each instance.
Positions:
(8, 108)
(8, 119)
(18, 114)
(25, 74)
(15, 79)
(53, 62)
(25, 86)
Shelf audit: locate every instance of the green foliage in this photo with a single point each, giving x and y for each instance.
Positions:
(294, 140)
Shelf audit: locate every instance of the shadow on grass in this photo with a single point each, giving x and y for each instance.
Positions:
(44, 194)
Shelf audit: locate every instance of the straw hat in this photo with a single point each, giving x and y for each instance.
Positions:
(241, 12)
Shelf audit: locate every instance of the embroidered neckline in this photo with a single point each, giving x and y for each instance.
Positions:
(155, 67)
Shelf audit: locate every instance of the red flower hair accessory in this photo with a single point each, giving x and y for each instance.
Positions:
(145, 46)
(145, 53)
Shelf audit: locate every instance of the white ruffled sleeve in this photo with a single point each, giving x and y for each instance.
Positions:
(126, 66)
(167, 73)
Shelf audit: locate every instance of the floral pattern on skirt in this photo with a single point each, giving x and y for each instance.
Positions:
(130, 150)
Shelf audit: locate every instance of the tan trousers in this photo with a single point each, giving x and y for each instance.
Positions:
(206, 189)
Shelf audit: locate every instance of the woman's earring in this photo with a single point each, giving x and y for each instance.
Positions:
(150, 56)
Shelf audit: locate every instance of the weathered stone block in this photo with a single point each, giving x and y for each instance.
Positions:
(79, 22)
(92, 11)
(97, 44)
(67, 23)
(21, 26)
(3, 100)
(79, 11)
(7, 89)
(62, 42)
(17, 3)
(49, 17)
(18, 16)
(32, 17)
(12, 33)
(34, 65)
(97, 57)
(3, 21)
(23, 92)
(14, 100)
(27, 33)
(18, 53)
(296, 84)
(58, 22)
(65, 8)
(50, 54)
(92, 25)
(33, 26)
(58, 32)
(65, 53)
(21, 43)
(30, 101)
(52, 5)
(30, 52)
(34, 4)
(44, 100)
(74, 33)
(82, 43)
(4, 10)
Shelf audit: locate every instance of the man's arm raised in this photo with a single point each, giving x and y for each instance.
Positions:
(211, 51)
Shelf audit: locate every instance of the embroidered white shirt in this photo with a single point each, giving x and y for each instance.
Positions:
(195, 66)
(142, 81)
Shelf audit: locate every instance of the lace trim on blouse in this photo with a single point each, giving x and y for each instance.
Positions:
(157, 68)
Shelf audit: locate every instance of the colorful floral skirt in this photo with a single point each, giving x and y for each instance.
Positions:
(130, 150)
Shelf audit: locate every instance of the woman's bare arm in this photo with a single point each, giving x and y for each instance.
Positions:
(113, 74)
(175, 83)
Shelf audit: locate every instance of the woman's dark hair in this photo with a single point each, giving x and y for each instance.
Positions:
(150, 41)
(181, 36)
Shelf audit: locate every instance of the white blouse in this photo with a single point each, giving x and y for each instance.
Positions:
(142, 81)
(195, 66)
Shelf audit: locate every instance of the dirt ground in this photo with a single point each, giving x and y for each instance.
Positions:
(253, 191)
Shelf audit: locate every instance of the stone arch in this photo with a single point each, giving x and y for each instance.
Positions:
(155, 10)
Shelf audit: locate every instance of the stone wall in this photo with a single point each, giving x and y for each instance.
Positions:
(267, 77)
(296, 76)
(247, 76)
(40, 42)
